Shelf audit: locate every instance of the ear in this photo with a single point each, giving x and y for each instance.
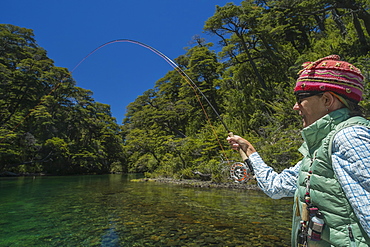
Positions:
(331, 102)
(328, 99)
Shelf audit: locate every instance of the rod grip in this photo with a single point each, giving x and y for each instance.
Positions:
(241, 152)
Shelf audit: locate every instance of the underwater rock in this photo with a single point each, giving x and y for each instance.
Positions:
(200, 183)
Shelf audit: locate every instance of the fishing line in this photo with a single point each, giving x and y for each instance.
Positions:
(239, 171)
(192, 84)
(168, 60)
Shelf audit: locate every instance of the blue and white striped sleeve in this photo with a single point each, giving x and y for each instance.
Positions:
(275, 185)
(351, 164)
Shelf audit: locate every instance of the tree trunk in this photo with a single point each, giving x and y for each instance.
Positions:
(360, 33)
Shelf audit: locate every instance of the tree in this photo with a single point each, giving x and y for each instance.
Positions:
(47, 123)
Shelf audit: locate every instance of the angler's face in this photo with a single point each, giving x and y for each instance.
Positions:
(310, 107)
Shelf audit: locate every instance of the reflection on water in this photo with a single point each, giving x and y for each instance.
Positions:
(110, 210)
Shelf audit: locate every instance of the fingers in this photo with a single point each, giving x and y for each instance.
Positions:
(233, 138)
(239, 143)
(235, 146)
(233, 141)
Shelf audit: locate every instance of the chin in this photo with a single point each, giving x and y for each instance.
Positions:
(304, 123)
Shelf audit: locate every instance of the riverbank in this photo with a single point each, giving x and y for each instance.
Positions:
(251, 185)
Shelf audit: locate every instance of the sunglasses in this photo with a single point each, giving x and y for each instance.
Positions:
(301, 96)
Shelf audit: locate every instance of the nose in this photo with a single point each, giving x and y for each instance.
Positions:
(296, 106)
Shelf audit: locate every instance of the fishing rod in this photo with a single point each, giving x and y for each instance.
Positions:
(240, 172)
(169, 61)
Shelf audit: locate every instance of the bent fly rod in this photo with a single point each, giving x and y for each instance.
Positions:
(169, 61)
(240, 172)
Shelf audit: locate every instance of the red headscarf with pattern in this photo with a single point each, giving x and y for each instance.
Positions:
(331, 74)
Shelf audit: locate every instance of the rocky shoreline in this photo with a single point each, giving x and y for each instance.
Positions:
(251, 185)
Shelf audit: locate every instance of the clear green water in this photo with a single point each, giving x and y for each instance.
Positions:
(110, 210)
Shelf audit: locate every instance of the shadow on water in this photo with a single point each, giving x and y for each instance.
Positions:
(109, 210)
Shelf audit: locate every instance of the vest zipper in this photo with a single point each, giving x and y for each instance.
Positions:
(350, 235)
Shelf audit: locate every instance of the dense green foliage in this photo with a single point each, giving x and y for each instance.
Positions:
(47, 123)
(248, 77)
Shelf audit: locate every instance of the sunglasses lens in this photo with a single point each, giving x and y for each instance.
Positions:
(302, 96)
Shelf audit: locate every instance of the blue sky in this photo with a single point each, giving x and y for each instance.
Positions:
(70, 29)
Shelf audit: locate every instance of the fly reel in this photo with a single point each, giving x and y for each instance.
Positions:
(240, 172)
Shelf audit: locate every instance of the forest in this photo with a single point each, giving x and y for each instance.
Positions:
(49, 125)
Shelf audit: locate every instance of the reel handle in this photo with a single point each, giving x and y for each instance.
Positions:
(241, 152)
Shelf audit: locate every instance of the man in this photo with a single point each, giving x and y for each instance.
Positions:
(331, 184)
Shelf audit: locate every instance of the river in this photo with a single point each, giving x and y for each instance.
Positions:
(112, 210)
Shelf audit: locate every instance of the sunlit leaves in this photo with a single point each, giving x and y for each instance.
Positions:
(71, 133)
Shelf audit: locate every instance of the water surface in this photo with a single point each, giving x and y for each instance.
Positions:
(110, 210)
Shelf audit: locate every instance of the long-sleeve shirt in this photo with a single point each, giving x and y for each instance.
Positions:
(351, 164)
